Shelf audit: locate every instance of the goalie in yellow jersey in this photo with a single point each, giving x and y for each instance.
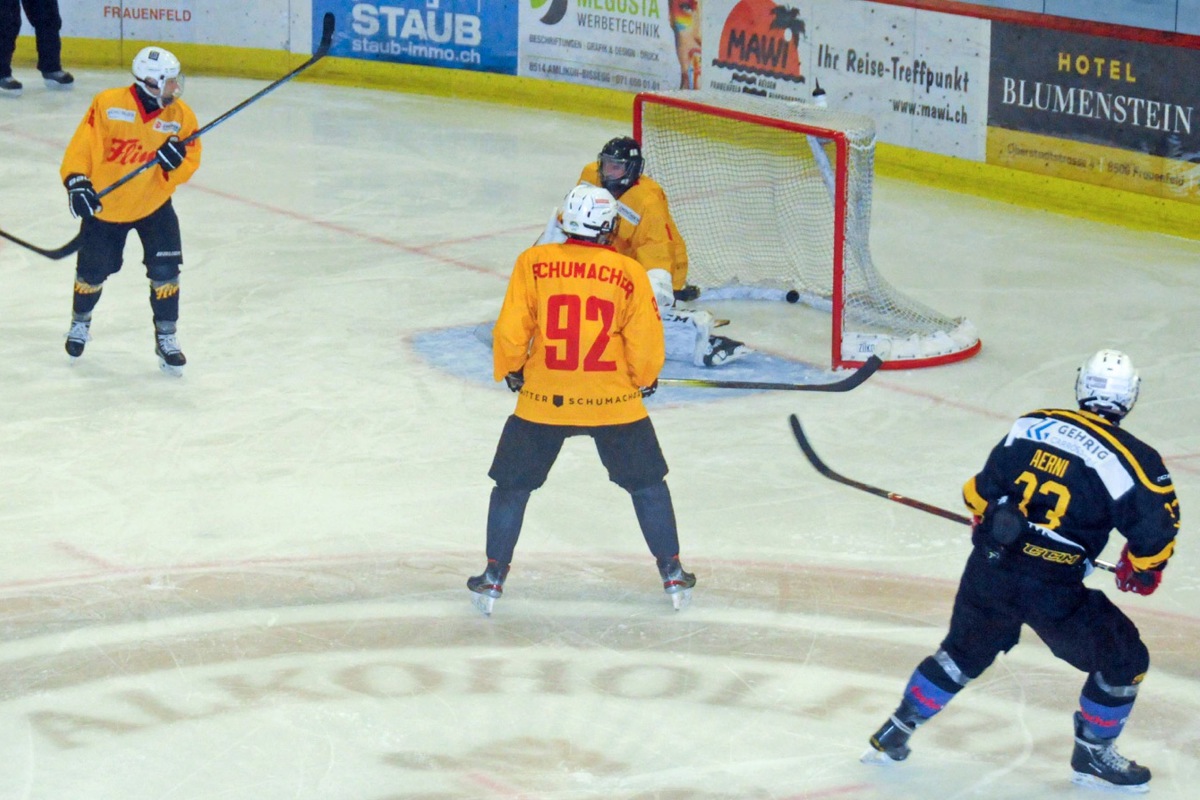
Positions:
(647, 232)
(579, 338)
(123, 129)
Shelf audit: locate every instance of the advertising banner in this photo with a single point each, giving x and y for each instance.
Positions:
(478, 35)
(634, 45)
(227, 22)
(1106, 111)
(921, 75)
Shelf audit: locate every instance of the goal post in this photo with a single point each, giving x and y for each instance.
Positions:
(773, 200)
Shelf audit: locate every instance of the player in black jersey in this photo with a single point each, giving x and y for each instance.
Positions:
(1045, 502)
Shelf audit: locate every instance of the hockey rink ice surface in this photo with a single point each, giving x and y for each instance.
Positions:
(248, 582)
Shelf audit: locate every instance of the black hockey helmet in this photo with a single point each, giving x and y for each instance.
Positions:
(620, 164)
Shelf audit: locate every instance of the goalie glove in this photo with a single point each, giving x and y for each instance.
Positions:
(81, 197)
(1132, 579)
(171, 154)
(660, 282)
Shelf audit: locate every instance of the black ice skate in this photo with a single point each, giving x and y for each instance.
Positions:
(58, 79)
(486, 588)
(78, 337)
(170, 357)
(676, 583)
(723, 350)
(10, 87)
(889, 745)
(1098, 765)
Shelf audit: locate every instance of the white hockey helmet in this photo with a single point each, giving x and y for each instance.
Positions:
(589, 212)
(159, 73)
(1107, 384)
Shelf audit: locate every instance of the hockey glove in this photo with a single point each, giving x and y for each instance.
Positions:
(687, 294)
(515, 380)
(1003, 521)
(171, 154)
(649, 390)
(81, 197)
(1131, 579)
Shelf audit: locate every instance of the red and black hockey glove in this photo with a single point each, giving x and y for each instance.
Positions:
(1131, 579)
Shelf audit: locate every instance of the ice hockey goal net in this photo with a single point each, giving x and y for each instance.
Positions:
(774, 201)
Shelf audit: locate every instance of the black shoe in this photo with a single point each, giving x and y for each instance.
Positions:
(78, 337)
(722, 350)
(486, 588)
(676, 583)
(10, 87)
(58, 79)
(170, 358)
(1098, 765)
(890, 742)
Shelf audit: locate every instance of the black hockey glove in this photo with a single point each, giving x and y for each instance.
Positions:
(649, 390)
(1003, 521)
(687, 294)
(81, 197)
(515, 380)
(171, 154)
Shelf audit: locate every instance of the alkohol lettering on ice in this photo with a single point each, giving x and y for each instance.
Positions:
(419, 22)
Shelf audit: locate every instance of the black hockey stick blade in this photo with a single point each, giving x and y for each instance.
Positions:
(859, 375)
(823, 468)
(55, 255)
(322, 50)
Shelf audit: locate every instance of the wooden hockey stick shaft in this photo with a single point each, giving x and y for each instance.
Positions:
(823, 468)
(73, 245)
(868, 369)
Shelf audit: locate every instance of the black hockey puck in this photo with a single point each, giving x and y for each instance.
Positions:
(792, 296)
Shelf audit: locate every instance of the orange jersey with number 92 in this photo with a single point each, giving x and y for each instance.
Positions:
(581, 321)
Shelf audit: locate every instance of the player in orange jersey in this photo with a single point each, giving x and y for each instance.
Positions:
(123, 129)
(579, 337)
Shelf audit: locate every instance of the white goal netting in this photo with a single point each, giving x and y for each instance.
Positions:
(774, 197)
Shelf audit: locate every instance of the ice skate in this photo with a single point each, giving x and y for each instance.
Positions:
(170, 357)
(487, 588)
(676, 583)
(889, 745)
(1098, 765)
(10, 87)
(722, 350)
(78, 337)
(58, 79)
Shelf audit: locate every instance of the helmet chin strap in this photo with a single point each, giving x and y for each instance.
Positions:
(151, 101)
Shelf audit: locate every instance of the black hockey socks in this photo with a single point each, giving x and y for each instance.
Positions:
(506, 514)
(164, 300)
(1104, 707)
(934, 683)
(86, 296)
(656, 517)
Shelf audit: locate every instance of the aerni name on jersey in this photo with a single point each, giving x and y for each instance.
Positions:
(1048, 462)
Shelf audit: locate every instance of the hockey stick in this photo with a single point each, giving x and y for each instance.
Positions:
(823, 468)
(73, 245)
(844, 385)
